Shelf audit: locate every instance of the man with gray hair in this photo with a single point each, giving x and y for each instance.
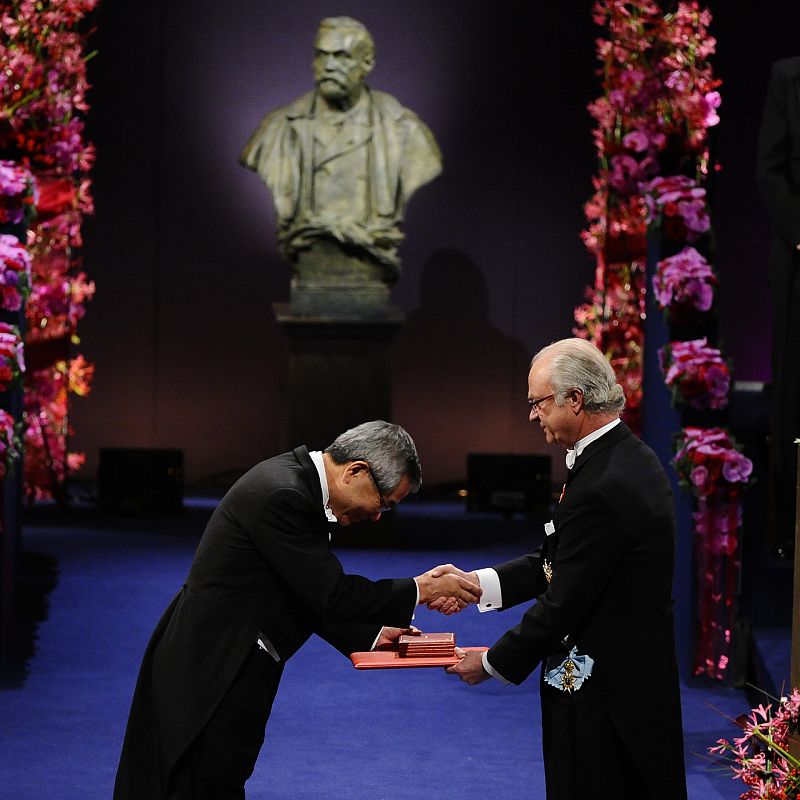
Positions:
(262, 581)
(602, 625)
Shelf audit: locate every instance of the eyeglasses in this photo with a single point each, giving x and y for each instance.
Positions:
(384, 505)
(534, 404)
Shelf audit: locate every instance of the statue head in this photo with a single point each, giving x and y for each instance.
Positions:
(344, 55)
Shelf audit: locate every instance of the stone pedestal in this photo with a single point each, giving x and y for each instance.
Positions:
(331, 282)
(339, 373)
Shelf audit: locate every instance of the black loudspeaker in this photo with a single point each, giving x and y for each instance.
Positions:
(140, 480)
(509, 483)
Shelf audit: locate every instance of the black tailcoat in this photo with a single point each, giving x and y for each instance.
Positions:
(778, 172)
(262, 565)
(612, 558)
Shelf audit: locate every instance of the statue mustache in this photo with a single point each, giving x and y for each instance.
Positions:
(336, 77)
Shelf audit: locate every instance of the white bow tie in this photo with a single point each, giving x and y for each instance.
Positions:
(571, 456)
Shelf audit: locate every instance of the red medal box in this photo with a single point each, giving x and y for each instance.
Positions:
(391, 659)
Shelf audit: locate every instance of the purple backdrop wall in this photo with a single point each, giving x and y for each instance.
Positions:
(182, 246)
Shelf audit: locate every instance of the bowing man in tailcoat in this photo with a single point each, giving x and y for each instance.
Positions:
(778, 173)
(602, 626)
(262, 581)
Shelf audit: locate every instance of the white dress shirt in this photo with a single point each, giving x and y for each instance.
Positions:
(316, 457)
(581, 444)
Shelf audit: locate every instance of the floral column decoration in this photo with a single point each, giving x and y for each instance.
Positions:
(43, 91)
(710, 465)
(649, 214)
(657, 103)
(17, 197)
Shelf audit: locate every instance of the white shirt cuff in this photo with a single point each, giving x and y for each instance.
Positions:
(266, 645)
(416, 602)
(491, 670)
(492, 597)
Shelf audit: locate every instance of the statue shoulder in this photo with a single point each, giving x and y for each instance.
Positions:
(421, 159)
(301, 107)
(273, 129)
(391, 107)
(403, 119)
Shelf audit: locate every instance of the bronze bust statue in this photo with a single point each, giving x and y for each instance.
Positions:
(341, 162)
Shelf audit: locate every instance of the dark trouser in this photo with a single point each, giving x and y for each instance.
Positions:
(222, 758)
(585, 756)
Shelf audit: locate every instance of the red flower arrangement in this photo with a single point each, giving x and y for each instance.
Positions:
(709, 461)
(614, 321)
(12, 359)
(48, 427)
(684, 284)
(677, 205)
(17, 193)
(696, 373)
(761, 757)
(56, 304)
(43, 82)
(42, 91)
(15, 273)
(659, 100)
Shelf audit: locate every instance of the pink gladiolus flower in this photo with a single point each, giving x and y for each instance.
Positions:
(13, 178)
(617, 98)
(685, 279)
(677, 80)
(637, 141)
(697, 374)
(632, 76)
(713, 450)
(711, 102)
(694, 215)
(677, 195)
(624, 175)
(699, 293)
(737, 470)
(699, 476)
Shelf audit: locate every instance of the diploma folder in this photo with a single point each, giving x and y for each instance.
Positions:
(391, 659)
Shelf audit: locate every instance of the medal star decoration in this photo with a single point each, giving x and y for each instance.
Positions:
(547, 568)
(568, 674)
(568, 677)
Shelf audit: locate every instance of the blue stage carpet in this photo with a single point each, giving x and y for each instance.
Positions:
(334, 732)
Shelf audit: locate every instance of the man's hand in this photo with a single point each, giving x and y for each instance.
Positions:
(443, 569)
(470, 668)
(390, 636)
(447, 586)
(449, 605)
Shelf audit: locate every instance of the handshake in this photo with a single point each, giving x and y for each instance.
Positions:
(448, 589)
